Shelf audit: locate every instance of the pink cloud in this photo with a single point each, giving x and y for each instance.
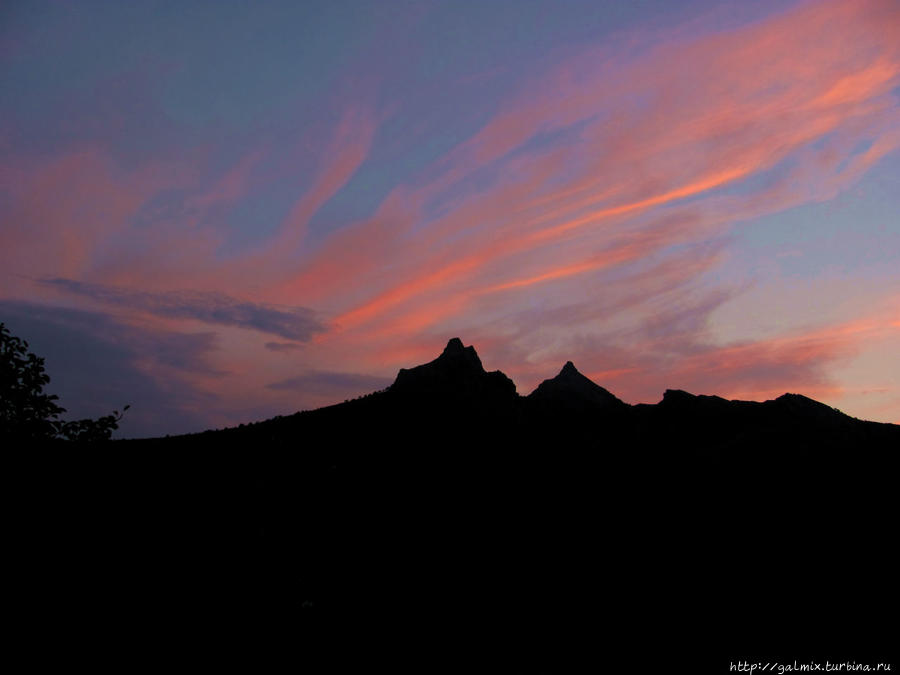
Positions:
(756, 96)
(64, 209)
(342, 157)
(597, 234)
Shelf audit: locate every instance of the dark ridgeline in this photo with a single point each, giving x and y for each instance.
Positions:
(449, 512)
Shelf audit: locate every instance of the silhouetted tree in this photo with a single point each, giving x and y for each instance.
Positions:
(26, 412)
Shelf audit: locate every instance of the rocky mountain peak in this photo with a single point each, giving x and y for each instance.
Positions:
(571, 388)
(454, 346)
(458, 370)
(569, 369)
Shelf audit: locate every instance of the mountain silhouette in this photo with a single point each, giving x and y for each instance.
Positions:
(448, 506)
(573, 391)
(456, 373)
(485, 405)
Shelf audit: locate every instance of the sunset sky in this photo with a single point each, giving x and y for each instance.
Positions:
(222, 211)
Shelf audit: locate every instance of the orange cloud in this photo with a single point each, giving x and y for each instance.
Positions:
(706, 183)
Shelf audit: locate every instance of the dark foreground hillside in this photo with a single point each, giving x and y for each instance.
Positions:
(450, 523)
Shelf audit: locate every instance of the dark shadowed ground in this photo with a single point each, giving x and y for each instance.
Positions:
(448, 523)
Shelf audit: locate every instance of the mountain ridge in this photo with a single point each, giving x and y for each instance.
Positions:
(460, 366)
(457, 381)
(448, 500)
(458, 374)
(452, 402)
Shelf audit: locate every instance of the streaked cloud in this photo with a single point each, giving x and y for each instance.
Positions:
(749, 112)
(607, 199)
(292, 323)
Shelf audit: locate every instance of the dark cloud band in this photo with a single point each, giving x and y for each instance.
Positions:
(291, 323)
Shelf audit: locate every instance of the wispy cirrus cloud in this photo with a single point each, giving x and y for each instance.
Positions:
(292, 323)
(347, 150)
(655, 156)
(593, 203)
(59, 208)
(683, 121)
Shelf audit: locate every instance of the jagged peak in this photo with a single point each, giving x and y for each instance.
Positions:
(454, 346)
(458, 355)
(571, 383)
(457, 366)
(569, 369)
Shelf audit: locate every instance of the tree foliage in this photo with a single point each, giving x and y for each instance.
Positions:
(26, 412)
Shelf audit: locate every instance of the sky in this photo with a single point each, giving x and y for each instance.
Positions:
(218, 212)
